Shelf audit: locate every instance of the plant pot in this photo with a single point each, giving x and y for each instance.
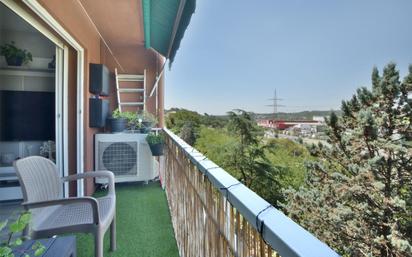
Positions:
(118, 125)
(157, 149)
(14, 61)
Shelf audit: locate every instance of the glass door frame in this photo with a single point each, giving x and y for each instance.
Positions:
(62, 155)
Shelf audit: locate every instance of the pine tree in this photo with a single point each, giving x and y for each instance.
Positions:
(357, 197)
(248, 159)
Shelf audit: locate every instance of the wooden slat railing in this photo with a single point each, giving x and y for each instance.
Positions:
(213, 214)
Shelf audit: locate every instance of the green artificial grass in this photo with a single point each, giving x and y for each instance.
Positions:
(144, 227)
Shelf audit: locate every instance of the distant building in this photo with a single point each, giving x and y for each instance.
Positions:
(303, 129)
(319, 119)
(282, 125)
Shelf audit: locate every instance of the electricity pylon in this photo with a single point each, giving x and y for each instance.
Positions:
(275, 105)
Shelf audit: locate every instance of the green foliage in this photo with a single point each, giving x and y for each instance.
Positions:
(176, 120)
(217, 145)
(248, 158)
(357, 195)
(214, 121)
(240, 151)
(188, 133)
(20, 223)
(6, 251)
(153, 138)
(116, 114)
(243, 125)
(187, 124)
(134, 120)
(290, 157)
(11, 50)
(16, 227)
(184, 123)
(237, 145)
(38, 248)
(147, 118)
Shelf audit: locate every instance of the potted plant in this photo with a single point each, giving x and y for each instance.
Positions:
(148, 120)
(156, 143)
(118, 122)
(14, 55)
(9, 247)
(134, 124)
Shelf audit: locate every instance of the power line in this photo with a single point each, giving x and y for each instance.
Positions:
(275, 104)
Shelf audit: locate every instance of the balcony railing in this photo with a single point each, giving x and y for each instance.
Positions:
(213, 214)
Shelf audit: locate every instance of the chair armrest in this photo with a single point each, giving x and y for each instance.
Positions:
(93, 174)
(65, 201)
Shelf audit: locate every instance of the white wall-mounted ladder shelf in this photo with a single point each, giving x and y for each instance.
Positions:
(122, 89)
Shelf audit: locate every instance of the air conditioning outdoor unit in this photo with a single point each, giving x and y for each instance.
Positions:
(127, 155)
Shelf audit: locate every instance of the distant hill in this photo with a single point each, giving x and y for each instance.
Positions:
(304, 115)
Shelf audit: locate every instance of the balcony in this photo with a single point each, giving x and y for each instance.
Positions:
(203, 211)
(211, 214)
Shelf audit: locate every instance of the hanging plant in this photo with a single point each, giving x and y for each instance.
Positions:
(156, 143)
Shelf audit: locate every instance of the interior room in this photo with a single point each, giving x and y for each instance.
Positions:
(27, 97)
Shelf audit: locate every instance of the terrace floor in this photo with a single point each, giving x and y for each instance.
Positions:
(144, 227)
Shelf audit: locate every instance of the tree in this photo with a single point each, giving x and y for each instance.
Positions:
(217, 145)
(357, 196)
(185, 123)
(177, 119)
(214, 121)
(188, 133)
(248, 158)
(289, 156)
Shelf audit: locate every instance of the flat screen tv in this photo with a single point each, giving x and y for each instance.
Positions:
(27, 115)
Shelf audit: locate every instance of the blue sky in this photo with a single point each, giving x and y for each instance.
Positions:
(235, 53)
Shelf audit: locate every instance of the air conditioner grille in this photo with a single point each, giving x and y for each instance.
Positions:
(119, 157)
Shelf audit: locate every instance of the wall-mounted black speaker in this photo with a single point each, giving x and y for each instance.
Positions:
(99, 111)
(99, 82)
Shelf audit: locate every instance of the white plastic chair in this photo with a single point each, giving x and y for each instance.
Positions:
(53, 215)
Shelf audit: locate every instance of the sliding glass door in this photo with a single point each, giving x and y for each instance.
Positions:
(33, 97)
